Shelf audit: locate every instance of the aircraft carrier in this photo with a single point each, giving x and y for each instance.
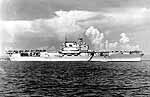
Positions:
(74, 51)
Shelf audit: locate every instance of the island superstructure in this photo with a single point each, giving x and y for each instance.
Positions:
(74, 51)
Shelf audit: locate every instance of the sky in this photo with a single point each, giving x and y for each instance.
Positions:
(31, 24)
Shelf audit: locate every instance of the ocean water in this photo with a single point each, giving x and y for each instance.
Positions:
(74, 79)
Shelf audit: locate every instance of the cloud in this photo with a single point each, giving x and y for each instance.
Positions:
(31, 9)
(16, 27)
(40, 19)
(129, 47)
(124, 39)
(113, 46)
(97, 39)
(62, 22)
(56, 27)
(68, 21)
(95, 36)
(121, 17)
(125, 43)
(110, 45)
(130, 16)
(125, 20)
(74, 22)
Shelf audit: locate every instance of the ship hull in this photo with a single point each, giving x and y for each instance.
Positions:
(119, 58)
(74, 51)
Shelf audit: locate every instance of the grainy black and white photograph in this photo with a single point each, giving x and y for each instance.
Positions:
(74, 48)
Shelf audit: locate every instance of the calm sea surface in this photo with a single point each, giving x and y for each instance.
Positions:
(74, 79)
